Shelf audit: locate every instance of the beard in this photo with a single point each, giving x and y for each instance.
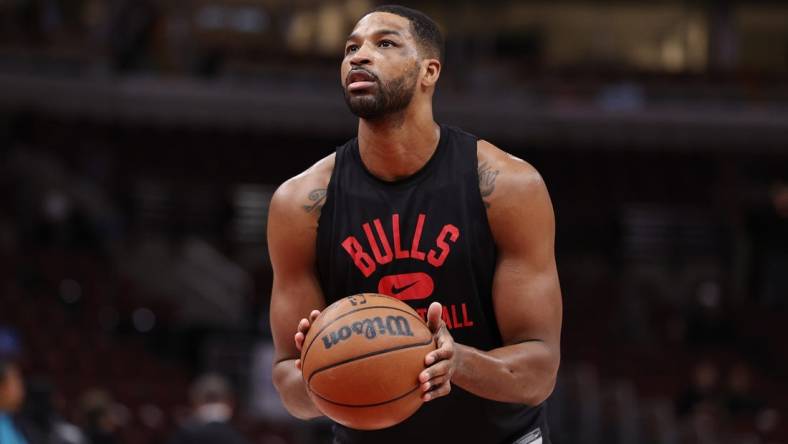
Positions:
(389, 98)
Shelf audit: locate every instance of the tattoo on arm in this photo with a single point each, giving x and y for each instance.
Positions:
(487, 178)
(318, 198)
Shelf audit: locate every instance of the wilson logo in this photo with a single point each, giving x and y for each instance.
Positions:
(370, 328)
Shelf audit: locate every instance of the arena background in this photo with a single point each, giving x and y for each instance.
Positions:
(140, 142)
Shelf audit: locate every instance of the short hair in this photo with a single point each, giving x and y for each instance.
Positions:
(424, 29)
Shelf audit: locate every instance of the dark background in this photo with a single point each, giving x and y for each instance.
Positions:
(140, 142)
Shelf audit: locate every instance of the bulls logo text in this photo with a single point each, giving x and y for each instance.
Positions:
(386, 247)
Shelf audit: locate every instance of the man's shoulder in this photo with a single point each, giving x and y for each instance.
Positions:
(306, 191)
(503, 175)
(317, 174)
(503, 160)
(515, 196)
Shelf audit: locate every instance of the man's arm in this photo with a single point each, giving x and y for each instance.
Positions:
(526, 295)
(292, 232)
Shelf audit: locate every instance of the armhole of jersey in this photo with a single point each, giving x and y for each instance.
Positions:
(326, 218)
(478, 190)
(488, 307)
(340, 152)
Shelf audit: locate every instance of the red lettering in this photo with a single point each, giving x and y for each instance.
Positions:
(454, 315)
(381, 245)
(414, 248)
(381, 259)
(446, 317)
(453, 233)
(465, 321)
(399, 253)
(362, 260)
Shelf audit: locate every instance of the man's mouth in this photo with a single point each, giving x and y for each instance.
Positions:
(359, 79)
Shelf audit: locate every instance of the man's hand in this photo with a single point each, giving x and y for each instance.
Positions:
(303, 328)
(436, 378)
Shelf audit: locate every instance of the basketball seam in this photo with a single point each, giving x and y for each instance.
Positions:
(367, 355)
(356, 358)
(367, 405)
(317, 335)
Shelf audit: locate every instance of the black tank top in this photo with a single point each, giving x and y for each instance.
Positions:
(420, 239)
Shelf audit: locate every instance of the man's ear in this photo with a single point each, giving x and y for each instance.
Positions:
(432, 72)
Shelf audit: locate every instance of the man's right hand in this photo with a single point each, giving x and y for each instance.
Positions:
(303, 328)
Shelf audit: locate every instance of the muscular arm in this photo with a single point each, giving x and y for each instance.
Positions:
(292, 231)
(526, 292)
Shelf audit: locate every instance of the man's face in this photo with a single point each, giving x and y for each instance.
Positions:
(381, 66)
(12, 390)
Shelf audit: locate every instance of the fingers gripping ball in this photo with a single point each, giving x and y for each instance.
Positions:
(361, 360)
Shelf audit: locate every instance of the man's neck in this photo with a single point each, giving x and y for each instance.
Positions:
(398, 146)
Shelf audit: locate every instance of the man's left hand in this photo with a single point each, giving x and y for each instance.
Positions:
(436, 378)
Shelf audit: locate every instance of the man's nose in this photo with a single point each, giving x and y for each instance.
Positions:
(361, 56)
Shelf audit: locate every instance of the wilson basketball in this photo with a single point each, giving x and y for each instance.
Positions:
(361, 360)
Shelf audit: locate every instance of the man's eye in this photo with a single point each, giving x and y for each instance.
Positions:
(351, 48)
(386, 44)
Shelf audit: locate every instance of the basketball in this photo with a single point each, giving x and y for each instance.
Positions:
(361, 360)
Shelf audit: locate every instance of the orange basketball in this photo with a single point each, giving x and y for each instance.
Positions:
(361, 360)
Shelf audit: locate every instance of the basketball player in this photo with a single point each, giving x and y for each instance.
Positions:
(429, 214)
